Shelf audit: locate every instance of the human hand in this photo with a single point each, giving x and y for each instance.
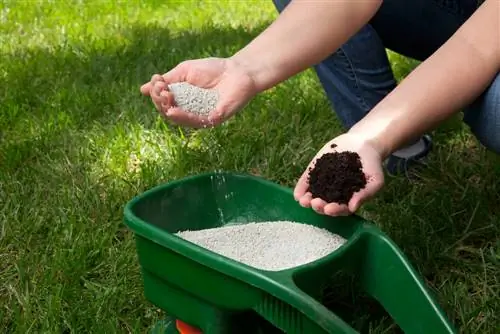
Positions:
(235, 88)
(371, 162)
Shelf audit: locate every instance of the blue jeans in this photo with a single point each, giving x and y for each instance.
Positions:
(358, 75)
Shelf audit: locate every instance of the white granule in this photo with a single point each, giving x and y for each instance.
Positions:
(272, 246)
(194, 99)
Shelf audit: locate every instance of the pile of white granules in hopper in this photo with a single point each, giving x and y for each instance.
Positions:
(194, 99)
(272, 246)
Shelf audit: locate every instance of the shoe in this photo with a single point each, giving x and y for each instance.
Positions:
(396, 165)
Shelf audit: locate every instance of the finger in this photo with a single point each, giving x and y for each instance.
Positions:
(305, 201)
(155, 94)
(158, 87)
(335, 209)
(365, 194)
(318, 205)
(302, 185)
(156, 77)
(146, 88)
(180, 117)
(167, 100)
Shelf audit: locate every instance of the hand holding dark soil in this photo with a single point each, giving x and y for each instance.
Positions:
(234, 88)
(344, 173)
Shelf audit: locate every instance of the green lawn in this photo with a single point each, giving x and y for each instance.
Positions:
(77, 141)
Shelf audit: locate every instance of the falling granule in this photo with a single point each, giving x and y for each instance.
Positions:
(194, 99)
(272, 246)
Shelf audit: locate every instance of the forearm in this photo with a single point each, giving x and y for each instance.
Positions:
(303, 35)
(449, 80)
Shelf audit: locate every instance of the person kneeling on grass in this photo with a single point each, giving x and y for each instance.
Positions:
(457, 41)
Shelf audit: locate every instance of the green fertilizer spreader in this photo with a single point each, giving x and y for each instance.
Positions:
(204, 292)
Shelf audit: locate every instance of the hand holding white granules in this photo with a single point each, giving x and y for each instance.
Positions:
(202, 92)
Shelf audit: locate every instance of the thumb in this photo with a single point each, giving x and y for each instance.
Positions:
(178, 73)
(302, 185)
(224, 109)
(365, 194)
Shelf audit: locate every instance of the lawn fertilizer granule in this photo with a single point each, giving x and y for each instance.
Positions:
(271, 246)
(336, 176)
(194, 99)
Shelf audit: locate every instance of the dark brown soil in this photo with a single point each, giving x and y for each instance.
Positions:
(336, 177)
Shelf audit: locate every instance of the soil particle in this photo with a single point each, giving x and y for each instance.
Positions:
(336, 176)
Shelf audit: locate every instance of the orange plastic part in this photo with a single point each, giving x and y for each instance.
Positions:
(184, 328)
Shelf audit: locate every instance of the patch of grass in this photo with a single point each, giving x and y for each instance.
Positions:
(78, 141)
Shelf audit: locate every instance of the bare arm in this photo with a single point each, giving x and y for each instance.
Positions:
(303, 35)
(451, 78)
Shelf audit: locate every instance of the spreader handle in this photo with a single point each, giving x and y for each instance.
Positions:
(295, 312)
(384, 273)
(387, 275)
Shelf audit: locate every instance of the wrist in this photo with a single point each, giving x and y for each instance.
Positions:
(378, 141)
(262, 75)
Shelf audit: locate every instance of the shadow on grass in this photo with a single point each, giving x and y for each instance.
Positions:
(345, 297)
(47, 93)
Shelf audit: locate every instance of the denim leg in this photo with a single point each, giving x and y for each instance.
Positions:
(483, 117)
(417, 28)
(357, 76)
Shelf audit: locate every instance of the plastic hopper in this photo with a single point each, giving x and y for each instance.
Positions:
(216, 295)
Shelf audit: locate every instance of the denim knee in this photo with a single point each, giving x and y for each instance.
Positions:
(483, 116)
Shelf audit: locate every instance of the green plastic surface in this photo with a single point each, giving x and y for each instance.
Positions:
(219, 295)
